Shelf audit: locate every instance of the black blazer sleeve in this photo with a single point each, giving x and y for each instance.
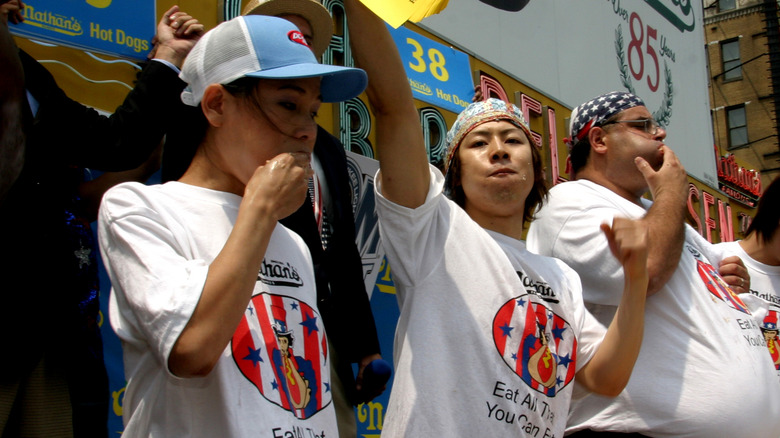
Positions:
(75, 134)
(341, 291)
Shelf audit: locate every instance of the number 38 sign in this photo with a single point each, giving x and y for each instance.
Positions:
(438, 74)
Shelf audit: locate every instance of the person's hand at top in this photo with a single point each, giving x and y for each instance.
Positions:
(11, 10)
(177, 33)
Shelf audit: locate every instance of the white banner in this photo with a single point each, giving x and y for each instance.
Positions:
(574, 50)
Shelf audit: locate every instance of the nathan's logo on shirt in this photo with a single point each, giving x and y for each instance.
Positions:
(771, 298)
(280, 347)
(694, 251)
(539, 288)
(538, 345)
(279, 274)
(718, 288)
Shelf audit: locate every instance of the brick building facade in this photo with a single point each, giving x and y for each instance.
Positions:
(740, 47)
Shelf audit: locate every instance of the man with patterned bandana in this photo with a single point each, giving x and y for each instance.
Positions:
(703, 370)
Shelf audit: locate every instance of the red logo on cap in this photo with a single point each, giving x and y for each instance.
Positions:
(297, 37)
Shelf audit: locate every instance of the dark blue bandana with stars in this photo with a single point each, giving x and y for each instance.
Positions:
(597, 110)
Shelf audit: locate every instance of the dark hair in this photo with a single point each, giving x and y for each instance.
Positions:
(244, 88)
(765, 223)
(189, 139)
(196, 129)
(579, 155)
(289, 336)
(580, 152)
(535, 198)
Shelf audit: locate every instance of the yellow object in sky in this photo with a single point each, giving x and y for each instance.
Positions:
(99, 3)
(398, 12)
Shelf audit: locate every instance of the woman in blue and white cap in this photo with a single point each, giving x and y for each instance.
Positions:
(203, 275)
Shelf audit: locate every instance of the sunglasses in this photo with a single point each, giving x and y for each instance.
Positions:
(649, 126)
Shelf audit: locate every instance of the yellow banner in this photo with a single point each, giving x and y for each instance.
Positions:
(398, 12)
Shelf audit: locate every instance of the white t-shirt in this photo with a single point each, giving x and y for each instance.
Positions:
(764, 299)
(764, 279)
(489, 337)
(703, 370)
(157, 243)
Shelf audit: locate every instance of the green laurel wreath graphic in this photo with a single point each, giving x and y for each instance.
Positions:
(664, 114)
(621, 59)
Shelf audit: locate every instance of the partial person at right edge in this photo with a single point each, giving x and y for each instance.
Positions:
(760, 251)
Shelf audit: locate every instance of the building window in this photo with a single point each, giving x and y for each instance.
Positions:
(727, 5)
(738, 135)
(732, 66)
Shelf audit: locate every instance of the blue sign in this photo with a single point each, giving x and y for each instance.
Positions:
(122, 28)
(438, 74)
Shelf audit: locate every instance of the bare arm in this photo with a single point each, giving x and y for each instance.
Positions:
(665, 219)
(400, 146)
(607, 373)
(276, 190)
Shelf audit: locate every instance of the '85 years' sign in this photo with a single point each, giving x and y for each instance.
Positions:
(122, 28)
(575, 50)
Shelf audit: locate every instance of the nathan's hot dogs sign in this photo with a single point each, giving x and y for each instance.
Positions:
(437, 74)
(122, 28)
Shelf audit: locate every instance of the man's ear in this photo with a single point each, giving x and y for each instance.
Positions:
(597, 138)
(213, 104)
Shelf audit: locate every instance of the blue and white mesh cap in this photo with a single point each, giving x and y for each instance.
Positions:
(262, 47)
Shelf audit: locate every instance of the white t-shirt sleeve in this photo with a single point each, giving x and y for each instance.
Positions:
(414, 238)
(579, 241)
(714, 253)
(155, 288)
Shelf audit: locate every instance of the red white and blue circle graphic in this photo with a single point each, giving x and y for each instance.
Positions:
(719, 288)
(538, 345)
(280, 346)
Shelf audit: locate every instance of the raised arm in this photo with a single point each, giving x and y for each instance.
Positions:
(666, 218)
(609, 369)
(177, 33)
(400, 147)
(125, 139)
(275, 190)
